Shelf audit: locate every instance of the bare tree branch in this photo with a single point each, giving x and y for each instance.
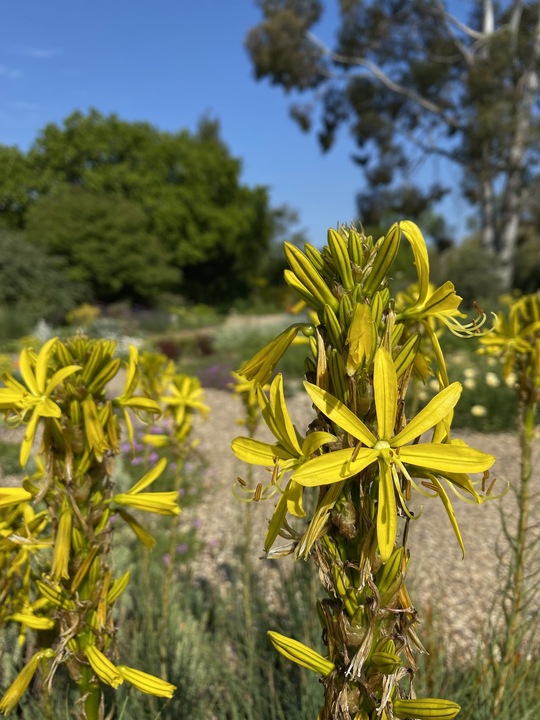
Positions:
(449, 20)
(380, 75)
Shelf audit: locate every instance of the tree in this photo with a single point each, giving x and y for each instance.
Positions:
(106, 243)
(409, 77)
(33, 283)
(136, 210)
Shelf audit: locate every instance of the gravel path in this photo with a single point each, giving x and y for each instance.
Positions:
(461, 590)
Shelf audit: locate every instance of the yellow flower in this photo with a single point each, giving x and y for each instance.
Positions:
(391, 452)
(18, 687)
(290, 451)
(162, 503)
(35, 397)
(106, 671)
(301, 654)
(147, 683)
(127, 401)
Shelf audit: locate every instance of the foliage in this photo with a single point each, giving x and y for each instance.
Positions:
(106, 243)
(136, 210)
(412, 78)
(474, 271)
(344, 488)
(33, 282)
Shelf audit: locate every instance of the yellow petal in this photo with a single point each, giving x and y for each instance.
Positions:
(27, 373)
(48, 408)
(28, 440)
(59, 376)
(13, 496)
(450, 512)
(257, 452)
(35, 622)
(18, 687)
(421, 260)
(161, 503)
(386, 511)
(287, 431)
(132, 373)
(340, 414)
(62, 545)
(146, 683)
(301, 654)
(361, 338)
(316, 440)
(294, 499)
(446, 458)
(42, 364)
(149, 477)
(141, 532)
(444, 300)
(106, 671)
(276, 522)
(385, 391)
(333, 467)
(435, 411)
(261, 365)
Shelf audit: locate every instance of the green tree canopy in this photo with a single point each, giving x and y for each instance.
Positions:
(411, 78)
(137, 211)
(34, 283)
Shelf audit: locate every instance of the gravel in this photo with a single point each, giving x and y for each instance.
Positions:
(463, 591)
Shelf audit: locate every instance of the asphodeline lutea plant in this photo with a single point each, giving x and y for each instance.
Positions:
(516, 342)
(180, 398)
(58, 531)
(362, 456)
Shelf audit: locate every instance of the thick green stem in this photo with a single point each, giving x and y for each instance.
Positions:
(90, 697)
(515, 616)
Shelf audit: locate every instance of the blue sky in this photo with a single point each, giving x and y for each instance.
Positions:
(169, 62)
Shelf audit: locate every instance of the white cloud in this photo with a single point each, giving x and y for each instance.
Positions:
(39, 53)
(10, 73)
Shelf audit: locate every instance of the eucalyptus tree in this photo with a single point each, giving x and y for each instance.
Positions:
(410, 77)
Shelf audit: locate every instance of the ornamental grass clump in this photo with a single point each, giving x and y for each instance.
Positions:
(57, 529)
(344, 487)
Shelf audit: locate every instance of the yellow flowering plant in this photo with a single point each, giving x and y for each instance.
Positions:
(56, 531)
(360, 459)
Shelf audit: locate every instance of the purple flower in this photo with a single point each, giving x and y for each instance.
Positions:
(137, 460)
(182, 548)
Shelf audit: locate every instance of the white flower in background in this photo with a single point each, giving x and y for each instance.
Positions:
(469, 383)
(510, 380)
(434, 385)
(422, 395)
(492, 380)
(478, 411)
(469, 373)
(491, 361)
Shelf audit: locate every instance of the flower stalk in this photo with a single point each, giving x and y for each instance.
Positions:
(361, 459)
